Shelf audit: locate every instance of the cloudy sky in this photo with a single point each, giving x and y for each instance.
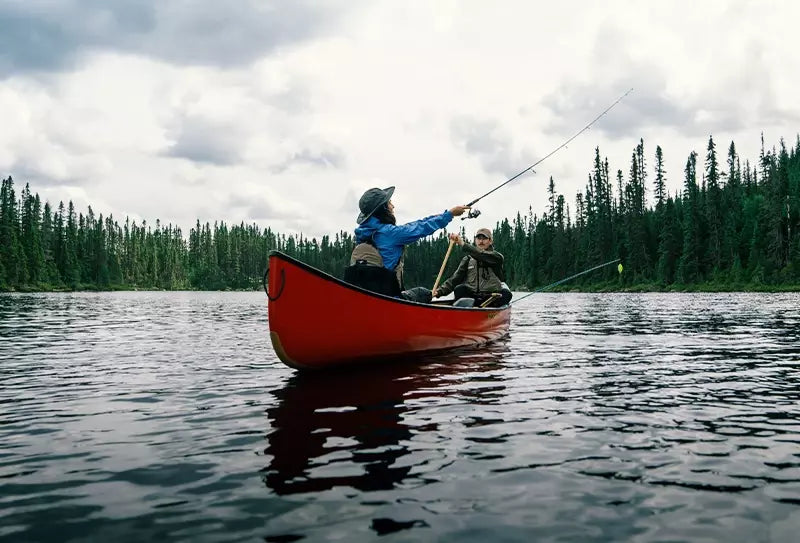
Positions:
(283, 113)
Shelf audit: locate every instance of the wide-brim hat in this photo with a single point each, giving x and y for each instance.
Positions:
(371, 201)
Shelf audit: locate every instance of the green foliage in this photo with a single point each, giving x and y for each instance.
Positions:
(734, 228)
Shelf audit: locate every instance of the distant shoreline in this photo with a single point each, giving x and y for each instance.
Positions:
(677, 289)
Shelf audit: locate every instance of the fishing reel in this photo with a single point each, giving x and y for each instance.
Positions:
(471, 214)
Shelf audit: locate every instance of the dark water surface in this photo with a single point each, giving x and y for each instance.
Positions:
(610, 417)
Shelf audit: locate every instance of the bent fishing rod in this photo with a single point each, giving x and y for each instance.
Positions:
(474, 213)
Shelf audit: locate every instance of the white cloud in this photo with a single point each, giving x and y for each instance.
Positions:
(442, 99)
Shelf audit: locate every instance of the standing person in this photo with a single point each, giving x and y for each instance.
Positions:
(480, 273)
(376, 263)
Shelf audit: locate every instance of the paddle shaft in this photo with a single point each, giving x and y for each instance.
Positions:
(441, 270)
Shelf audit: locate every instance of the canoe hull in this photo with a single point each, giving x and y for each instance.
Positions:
(318, 321)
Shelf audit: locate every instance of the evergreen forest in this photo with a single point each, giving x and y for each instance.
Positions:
(735, 225)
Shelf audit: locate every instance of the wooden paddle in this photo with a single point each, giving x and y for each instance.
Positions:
(441, 270)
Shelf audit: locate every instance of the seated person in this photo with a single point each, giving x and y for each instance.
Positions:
(377, 260)
(480, 273)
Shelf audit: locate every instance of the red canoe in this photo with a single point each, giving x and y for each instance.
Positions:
(318, 321)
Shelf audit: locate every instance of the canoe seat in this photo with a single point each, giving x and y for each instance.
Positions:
(464, 302)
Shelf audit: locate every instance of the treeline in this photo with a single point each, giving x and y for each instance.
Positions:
(734, 226)
(46, 249)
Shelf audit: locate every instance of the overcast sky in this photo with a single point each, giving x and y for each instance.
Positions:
(283, 113)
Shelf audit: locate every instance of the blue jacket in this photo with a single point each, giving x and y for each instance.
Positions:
(390, 239)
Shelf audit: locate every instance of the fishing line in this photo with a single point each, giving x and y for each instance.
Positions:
(568, 278)
(548, 155)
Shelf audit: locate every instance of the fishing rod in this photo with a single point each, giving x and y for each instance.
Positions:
(474, 213)
(570, 277)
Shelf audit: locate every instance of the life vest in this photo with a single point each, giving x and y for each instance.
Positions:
(366, 270)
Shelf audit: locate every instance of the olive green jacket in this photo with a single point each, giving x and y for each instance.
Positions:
(482, 271)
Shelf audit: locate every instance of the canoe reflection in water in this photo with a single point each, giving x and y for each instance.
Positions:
(328, 425)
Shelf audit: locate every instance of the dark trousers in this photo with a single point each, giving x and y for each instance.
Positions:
(417, 294)
(463, 291)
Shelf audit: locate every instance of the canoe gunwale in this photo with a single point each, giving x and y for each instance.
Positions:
(341, 283)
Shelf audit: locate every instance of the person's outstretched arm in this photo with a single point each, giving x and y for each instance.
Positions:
(412, 231)
(490, 257)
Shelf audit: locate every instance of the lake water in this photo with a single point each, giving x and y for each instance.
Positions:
(602, 417)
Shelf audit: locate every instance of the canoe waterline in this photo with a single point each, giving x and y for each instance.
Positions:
(318, 321)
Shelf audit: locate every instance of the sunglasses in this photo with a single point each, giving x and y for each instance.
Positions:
(481, 236)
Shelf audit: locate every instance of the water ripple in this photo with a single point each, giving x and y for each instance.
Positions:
(640, 417)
